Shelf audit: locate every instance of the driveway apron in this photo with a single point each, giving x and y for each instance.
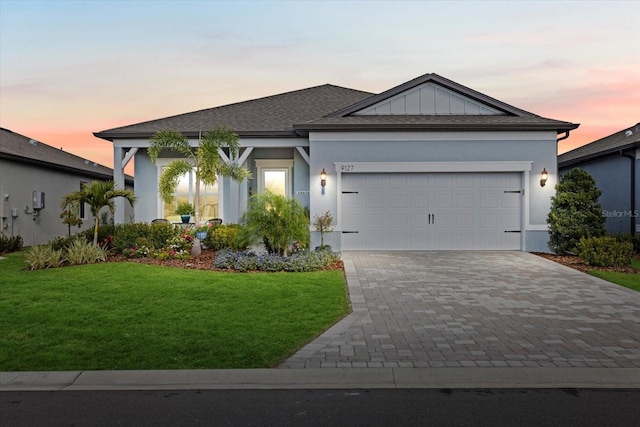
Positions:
(476, 309)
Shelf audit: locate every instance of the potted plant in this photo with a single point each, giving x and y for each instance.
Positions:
(323, 224)
(185, 210)
(202, 230)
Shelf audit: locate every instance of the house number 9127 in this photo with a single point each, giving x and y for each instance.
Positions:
(347, 168)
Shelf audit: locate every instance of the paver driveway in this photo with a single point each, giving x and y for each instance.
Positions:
(476, 309)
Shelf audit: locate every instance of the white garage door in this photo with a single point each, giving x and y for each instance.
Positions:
(431, 211)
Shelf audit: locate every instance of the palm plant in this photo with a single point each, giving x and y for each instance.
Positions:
(277, 220)
(204, 159)
(97, 195)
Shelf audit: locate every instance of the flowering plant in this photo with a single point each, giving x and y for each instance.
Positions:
(202, 228)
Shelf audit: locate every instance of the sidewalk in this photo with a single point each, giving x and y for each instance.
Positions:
(324, 378)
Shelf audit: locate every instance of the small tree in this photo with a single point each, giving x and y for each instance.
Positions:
(277, 220)
(204, 159)
(70, 215)
(97, 195)
(575, 212)
(323, 224)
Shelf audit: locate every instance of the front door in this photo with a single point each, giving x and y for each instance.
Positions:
(275, 176)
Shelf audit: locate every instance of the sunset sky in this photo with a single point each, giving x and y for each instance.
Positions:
(71, 68)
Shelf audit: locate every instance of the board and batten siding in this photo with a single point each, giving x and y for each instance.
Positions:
(428, 99)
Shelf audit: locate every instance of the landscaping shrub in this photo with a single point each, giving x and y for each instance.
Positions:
(154, 236)
(160, 234)
(605, 252)
(224, 236)
(575, 212)
(299, 262)
(125, 235)
(634, 239)
(82, 252)
(275, 220)
(43, 256)
(105, 233)
(178, 247)
(10, 244)
(61, 243)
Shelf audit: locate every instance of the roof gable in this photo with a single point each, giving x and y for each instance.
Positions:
(431, 94)
(428, 99)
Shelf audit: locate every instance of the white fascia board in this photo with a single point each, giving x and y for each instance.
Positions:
(273, 142)
(244, 142)
(391, 167)
(131, 143)
(434, 136)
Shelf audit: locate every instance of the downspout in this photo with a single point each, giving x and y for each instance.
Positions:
(565, 136)
(632, 185)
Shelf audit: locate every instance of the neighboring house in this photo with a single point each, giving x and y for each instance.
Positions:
(28, 166)
(429, 164)
(613, 162)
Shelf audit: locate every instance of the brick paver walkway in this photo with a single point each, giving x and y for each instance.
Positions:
(476, 309)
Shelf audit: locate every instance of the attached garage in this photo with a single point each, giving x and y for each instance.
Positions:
(431, 211)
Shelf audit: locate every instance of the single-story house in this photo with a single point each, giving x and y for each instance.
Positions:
(426, 165)
(613, 162)
(34, 177)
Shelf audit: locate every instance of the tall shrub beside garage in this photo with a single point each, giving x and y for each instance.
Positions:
(575, 212)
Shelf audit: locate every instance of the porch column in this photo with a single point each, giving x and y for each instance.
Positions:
(118, 178)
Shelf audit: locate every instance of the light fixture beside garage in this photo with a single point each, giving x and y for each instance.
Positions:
(544, 175)
(323, 179)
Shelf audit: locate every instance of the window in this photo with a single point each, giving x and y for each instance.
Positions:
(275, 176)
(186, 192)
(82, 212)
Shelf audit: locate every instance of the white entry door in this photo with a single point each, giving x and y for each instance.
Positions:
(431, 211)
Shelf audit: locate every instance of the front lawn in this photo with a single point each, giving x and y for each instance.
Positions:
(134, 316)
(628, 276)
(629, 280)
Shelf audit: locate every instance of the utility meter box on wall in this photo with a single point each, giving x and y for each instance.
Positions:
(38, 200)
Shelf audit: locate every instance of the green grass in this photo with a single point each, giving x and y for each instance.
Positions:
(134, 316)
(629, 280)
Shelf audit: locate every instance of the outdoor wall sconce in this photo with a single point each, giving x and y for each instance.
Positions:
(323, 179)
(543, 177)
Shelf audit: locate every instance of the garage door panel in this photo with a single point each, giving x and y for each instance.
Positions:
(432, 211)
(465, 200)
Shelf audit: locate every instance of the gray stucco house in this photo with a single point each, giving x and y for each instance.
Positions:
(28, 166)
(613, 161)
(429, 164)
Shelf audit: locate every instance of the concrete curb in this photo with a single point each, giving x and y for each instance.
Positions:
(324, 378)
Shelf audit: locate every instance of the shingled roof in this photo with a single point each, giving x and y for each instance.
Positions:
(621, 141)
(331, 108)
(270, 116)
(23, 149)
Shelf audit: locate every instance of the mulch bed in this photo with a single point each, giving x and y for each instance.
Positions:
(574, 262)
(204, 261)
